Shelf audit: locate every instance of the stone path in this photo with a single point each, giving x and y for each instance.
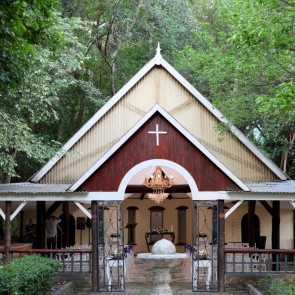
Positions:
(139, 282)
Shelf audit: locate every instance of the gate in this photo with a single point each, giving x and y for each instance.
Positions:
(110, 250)
(205, 247)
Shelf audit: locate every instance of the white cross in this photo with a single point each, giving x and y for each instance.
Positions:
(157, 132)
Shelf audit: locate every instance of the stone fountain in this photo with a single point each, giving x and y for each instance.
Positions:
(162, 258)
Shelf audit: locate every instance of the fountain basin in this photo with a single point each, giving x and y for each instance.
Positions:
(162, 258)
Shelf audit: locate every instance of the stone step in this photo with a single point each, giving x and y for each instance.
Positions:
(81, 282)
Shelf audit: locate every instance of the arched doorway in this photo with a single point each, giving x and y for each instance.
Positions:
(255, 228)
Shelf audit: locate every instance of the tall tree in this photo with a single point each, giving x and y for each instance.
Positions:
(23, 24)
(125, 30)
(51, 101)
(242, 64)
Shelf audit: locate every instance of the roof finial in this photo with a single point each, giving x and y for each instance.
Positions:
(158, 50)
(158, 56)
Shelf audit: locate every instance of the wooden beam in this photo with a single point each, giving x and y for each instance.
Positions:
(266, 206)
(52, 209)
(233, 208)
(83, 209)
(144, 189)
(18, 209)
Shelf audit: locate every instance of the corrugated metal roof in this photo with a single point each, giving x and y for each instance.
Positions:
(287, 186)
(33, 188)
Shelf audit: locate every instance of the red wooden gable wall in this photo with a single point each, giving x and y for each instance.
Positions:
(173, 146)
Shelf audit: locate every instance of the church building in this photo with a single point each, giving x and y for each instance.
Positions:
(151, 164)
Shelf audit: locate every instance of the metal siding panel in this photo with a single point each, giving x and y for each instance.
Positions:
(158, 86)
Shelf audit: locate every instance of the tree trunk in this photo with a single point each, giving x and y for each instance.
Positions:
(285, 155)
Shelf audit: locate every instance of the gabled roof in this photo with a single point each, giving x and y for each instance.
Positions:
(159, 61)
(180, 128)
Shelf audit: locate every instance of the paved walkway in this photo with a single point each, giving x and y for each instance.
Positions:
(177, 288)
(145, 289)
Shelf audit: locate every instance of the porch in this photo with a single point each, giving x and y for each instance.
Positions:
(245, 262)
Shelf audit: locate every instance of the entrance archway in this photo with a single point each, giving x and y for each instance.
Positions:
(162, 163)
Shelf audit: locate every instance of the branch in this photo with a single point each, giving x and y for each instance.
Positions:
(288, 3)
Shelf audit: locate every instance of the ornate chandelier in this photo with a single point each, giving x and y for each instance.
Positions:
(158, 182)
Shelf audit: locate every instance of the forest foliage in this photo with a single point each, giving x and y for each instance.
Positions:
(61, 60)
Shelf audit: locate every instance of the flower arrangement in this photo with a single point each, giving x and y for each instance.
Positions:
(159, 230)
(201, 254)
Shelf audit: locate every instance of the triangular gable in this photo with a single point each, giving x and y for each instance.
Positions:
(177, 126)
(155, 62)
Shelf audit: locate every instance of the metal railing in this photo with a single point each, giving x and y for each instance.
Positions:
(237, 260)
(257, 261)
(71, 260)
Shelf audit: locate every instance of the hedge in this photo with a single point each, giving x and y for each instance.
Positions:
(28, 275)
(271, 285)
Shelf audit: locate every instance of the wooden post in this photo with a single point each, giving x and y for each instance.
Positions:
(21, 223)
(251, 230)
(67, 224)
(7, 231)
(221, 242)
(275, 237)
(94, 246)
(41, 228)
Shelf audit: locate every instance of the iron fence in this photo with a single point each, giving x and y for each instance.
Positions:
(258, 261)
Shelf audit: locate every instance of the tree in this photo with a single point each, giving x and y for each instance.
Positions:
(269, 28)
(124, 29)
(22, 27)
(240, 60)
(55, 92)
(23, 24)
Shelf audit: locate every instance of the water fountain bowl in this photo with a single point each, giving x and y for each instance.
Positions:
(162, 258)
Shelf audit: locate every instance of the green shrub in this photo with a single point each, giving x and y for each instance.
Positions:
(29, 275)
(270, 285)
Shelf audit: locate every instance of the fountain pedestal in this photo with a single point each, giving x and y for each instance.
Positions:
(162, 258)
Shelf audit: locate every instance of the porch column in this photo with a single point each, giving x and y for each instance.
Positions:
(41, 207)
(251, 230)
(94, 245)
(7, 231)
(275, 235)
(221, 242)
(67, 223)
